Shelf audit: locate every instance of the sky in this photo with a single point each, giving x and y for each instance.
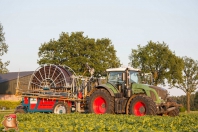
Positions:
(28, 24)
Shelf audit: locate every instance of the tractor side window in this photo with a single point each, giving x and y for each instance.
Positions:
(134, 77)
(114, 77)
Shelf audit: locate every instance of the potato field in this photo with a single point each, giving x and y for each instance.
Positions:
(76, 122)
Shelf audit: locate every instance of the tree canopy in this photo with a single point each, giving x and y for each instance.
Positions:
(75, 50)
(3, 50)
(158, 59)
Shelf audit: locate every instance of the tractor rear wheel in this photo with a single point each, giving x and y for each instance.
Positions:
(142, 105)
(101, 102)
(61, 108)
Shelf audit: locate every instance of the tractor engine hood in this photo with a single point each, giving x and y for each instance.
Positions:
(163, 93)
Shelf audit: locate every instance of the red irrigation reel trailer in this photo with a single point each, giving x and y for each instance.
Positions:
(55, 89)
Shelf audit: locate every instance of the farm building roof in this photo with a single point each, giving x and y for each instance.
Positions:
(13, 75)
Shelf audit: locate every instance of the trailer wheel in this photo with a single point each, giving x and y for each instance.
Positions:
(101, 102)
(142, 105)
(61, 108)
(21, 111)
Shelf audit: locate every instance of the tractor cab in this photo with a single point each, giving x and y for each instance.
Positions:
(123, 77)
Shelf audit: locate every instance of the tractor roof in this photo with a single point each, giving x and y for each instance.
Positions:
(123, 69)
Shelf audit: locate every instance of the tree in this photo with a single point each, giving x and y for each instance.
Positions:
(190, 78)
(3, 50)
(158, 59)
(196, 101)
(76, 50)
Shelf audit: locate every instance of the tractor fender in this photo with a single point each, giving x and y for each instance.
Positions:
(106, 88)
(128, 102)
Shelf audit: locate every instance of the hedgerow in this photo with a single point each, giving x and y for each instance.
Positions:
(9, 104)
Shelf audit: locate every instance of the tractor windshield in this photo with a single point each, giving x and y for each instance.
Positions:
(134, 77)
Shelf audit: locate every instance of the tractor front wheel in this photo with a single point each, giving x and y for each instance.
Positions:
(61, 108)
(142, 105)
(101, 102)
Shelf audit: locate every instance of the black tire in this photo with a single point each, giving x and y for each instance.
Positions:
(142, 105)
(20, 111)
(174, 112)
(101, 102)
(61, 108)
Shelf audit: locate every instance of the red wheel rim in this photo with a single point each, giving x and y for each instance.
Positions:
(99, 105)
(139, 108)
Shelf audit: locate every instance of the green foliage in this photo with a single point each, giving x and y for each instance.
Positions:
(75, 50)
(3, 50)
(76, 122)
(158, 59)
(182, 109)
(9, 104)
(190, 75)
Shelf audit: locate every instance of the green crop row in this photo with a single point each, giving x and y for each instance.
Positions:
(76, 122)
(8, 104)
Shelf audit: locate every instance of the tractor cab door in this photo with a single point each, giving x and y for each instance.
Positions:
(133, 77)
(115, 78)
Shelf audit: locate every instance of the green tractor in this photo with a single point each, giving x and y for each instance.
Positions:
(124, 93)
